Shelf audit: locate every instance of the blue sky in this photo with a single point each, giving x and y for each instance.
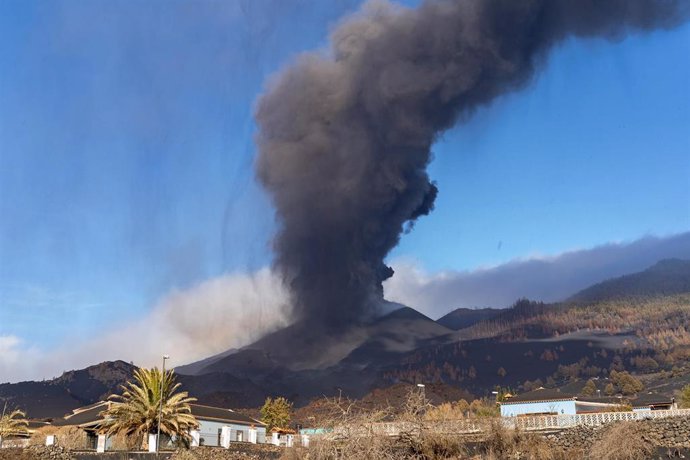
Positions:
(126, 154)
(596, 150)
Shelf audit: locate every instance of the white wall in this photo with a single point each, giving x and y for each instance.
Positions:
(584, 407)
(209, 432)
(558, 407)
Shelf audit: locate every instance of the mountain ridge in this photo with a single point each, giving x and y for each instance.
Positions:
(666, 277)
(530, 341)
(461, 318)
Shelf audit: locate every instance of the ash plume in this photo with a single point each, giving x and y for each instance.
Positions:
(345, 134)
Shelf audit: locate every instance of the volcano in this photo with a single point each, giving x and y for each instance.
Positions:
(303, 361)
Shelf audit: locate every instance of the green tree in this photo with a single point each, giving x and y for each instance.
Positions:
(645, 363)
(275, 413)
(685, 397)
(590, 388)
(609, 390)
(136, 411)
(472, 372)
(12, 424)
(626, 383)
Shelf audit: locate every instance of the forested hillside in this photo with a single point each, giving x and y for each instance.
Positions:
(667, 277)
(534, 344)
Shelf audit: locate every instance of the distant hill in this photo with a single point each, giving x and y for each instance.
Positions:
(461, 318)
(636, 322)
(57, 397)
(667, 277)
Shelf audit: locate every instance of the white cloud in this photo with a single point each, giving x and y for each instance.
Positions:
(211, 317)
(15, 358)
(539, 278)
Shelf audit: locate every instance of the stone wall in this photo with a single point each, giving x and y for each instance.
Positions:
(120, 456)
(237, 451)
(36, 453)
(666, 432)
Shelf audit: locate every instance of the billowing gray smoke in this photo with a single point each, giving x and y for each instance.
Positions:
(345, 135)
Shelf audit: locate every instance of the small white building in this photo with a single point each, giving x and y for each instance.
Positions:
(545, 401)
(217, 426)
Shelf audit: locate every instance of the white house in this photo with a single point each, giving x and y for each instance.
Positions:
(539, 402)
(217, 426)
(544, 401)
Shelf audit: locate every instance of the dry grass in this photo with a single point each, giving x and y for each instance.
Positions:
(622, 441)
(426, 436)
(432, 446)
(354, 434)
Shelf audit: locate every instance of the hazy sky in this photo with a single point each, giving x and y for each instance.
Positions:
(126, 155)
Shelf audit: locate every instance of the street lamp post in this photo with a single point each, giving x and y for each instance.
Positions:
(160, 407)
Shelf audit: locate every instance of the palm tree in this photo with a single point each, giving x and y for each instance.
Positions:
(136, 411)
(13, 423)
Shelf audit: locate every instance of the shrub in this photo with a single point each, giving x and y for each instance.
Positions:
(484, 408)
(448, 411)
(590, 388)
(685, 397)
(610, 390)
(627, 384)
(438, 446)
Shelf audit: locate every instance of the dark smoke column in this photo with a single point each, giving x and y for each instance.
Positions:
(345, 134)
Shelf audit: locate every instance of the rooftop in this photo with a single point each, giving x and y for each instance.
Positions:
(539, 395)
(202, 412)
(91, 415)
(651, 399)
(83, 416)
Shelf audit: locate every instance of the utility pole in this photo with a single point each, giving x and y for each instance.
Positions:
(160, 408)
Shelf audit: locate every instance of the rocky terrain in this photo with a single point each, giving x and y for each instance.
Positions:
(36, 453)
(669, 432)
